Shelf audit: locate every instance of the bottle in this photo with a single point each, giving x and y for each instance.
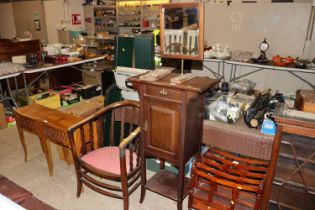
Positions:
(225, 88)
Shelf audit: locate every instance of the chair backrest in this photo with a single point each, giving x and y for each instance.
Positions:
(123, 120)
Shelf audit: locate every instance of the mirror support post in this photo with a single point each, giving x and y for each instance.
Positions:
(182, 67)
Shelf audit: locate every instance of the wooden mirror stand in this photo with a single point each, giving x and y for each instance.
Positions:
(182, 30)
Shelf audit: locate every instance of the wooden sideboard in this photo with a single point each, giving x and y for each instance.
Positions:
(10, 48)
(171, 118)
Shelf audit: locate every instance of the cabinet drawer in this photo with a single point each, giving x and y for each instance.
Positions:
(163, 92)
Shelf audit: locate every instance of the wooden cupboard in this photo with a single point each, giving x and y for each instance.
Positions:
(171, 118)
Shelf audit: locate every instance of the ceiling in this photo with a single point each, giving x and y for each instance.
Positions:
(3, 1)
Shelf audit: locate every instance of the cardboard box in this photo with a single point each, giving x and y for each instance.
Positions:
(305, 100)
(3, 122)
(86, 108)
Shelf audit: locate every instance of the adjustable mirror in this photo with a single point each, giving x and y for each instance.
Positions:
(181, 26)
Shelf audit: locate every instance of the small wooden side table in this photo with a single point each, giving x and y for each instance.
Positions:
(47, 124)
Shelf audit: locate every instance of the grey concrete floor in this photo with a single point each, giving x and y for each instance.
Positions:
(59, 190)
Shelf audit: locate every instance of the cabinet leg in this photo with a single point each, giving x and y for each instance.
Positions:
(143, 177)
(162, 164)
(179, 205)
(180, 184)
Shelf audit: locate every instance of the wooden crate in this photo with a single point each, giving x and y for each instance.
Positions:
(305, 100)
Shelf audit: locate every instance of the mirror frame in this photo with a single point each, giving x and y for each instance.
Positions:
(200, 7)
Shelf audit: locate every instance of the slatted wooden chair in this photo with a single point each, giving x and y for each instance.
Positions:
(110, 170)
(222, 180)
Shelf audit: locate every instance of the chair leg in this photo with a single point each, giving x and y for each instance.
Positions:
(126, 201)
(143, 190)
(79, 187)
(48, 155)
(21, 134)
(189, 201)
(125, 195)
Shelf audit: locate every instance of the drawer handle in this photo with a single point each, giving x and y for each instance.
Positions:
(163, 92)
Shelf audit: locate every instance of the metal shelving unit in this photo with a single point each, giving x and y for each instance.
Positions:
(101, 18)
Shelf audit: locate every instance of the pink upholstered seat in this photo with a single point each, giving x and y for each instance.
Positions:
(107, 159)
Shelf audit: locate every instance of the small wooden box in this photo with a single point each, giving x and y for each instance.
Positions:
(305, 100)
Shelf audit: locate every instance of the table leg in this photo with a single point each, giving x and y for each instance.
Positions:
(16, 87)
(66, 151)
(10, 93)
(48, 156)
(1, 91)
(21, 134)
(25, 86)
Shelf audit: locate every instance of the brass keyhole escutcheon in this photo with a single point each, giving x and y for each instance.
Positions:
(163, 92)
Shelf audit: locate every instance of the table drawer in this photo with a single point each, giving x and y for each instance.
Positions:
(163, 92)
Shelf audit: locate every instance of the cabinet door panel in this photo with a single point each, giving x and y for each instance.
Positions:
(163, 120)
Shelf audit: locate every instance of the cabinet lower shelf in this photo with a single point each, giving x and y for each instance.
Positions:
(165, 183)
(286, 167)
(292, 197)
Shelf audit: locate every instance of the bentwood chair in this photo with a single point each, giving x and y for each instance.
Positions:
(112, 170)
(225, 181)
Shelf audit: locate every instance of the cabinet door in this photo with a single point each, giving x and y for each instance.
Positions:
(162, 122)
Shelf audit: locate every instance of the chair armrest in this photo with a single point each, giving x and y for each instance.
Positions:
(129, 138)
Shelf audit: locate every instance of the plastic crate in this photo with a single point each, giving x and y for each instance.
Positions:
(50, 100)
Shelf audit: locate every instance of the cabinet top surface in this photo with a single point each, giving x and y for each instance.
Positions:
(197, 84)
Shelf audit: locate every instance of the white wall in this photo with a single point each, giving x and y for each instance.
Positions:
(54, 15)
(277, 80)
(243, 26)
(24, 13)
(58, 13)
(75, 7)
(7, 25)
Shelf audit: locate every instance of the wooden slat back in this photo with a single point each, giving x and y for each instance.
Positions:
(240, 175)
